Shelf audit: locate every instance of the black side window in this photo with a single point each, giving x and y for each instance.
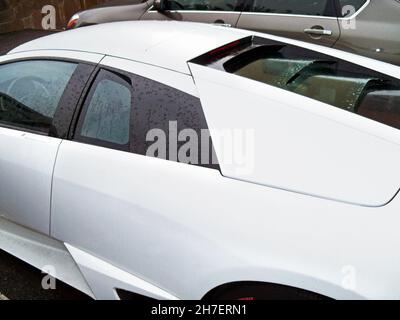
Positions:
(296, 7)
(161, 109)
(135, 114)
(349, 7)
(206, 5)
(30, 92)
(106, 115)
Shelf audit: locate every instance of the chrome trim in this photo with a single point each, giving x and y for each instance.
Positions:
(288, 15)
(320, 32)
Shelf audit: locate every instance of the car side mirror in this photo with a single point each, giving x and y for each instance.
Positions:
(160, 5)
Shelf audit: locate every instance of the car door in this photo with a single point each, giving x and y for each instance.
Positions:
(307, 20)
(224, 12)
(36, 100)
(108, 182)
(378, 40)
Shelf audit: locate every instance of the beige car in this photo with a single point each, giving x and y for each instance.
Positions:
(366, 27)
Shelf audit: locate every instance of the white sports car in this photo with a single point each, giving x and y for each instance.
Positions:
(185, 161)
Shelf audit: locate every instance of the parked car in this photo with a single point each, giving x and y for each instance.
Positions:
(308, 208)
(365, 27)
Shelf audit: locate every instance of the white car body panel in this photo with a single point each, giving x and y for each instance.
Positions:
(140, 44)
(187, 240)
(347, 164)
(44, 253)
(104, 278)
(174, 231)
(63, 54)
(28, 159)
(26, 163)
(136, 40)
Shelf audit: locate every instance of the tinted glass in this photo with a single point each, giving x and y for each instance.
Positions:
(207, 5)
(30, 92)
(108, 111)
(131, 113)
(169, 110)
(349, 7)
(298, 7)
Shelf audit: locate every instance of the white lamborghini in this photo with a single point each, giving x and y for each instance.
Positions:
(176, 160)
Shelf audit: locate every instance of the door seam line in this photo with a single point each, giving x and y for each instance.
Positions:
(51, 188)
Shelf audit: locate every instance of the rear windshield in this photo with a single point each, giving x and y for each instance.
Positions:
(320, 77)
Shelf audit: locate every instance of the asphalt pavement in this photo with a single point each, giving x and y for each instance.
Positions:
(20, 281)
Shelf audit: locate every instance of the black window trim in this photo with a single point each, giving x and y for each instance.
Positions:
(67, 109)
(53, 130)
(77, 118)
(330, 11)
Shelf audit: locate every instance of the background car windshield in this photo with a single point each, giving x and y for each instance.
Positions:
(299, 7)
(209, 5)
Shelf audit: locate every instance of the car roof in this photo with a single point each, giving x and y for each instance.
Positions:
(171, 44)
(168, 44)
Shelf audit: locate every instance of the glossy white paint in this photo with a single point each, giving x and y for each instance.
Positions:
(300, 144)
(27, 160)
(26, 169)
(207, 230)
(63, 54)
(172, 230)
(170, 44)
(43, 253)
(104, 278)
(169, 47)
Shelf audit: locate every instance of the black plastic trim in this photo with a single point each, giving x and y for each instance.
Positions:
(69, 101)
(138, 114)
